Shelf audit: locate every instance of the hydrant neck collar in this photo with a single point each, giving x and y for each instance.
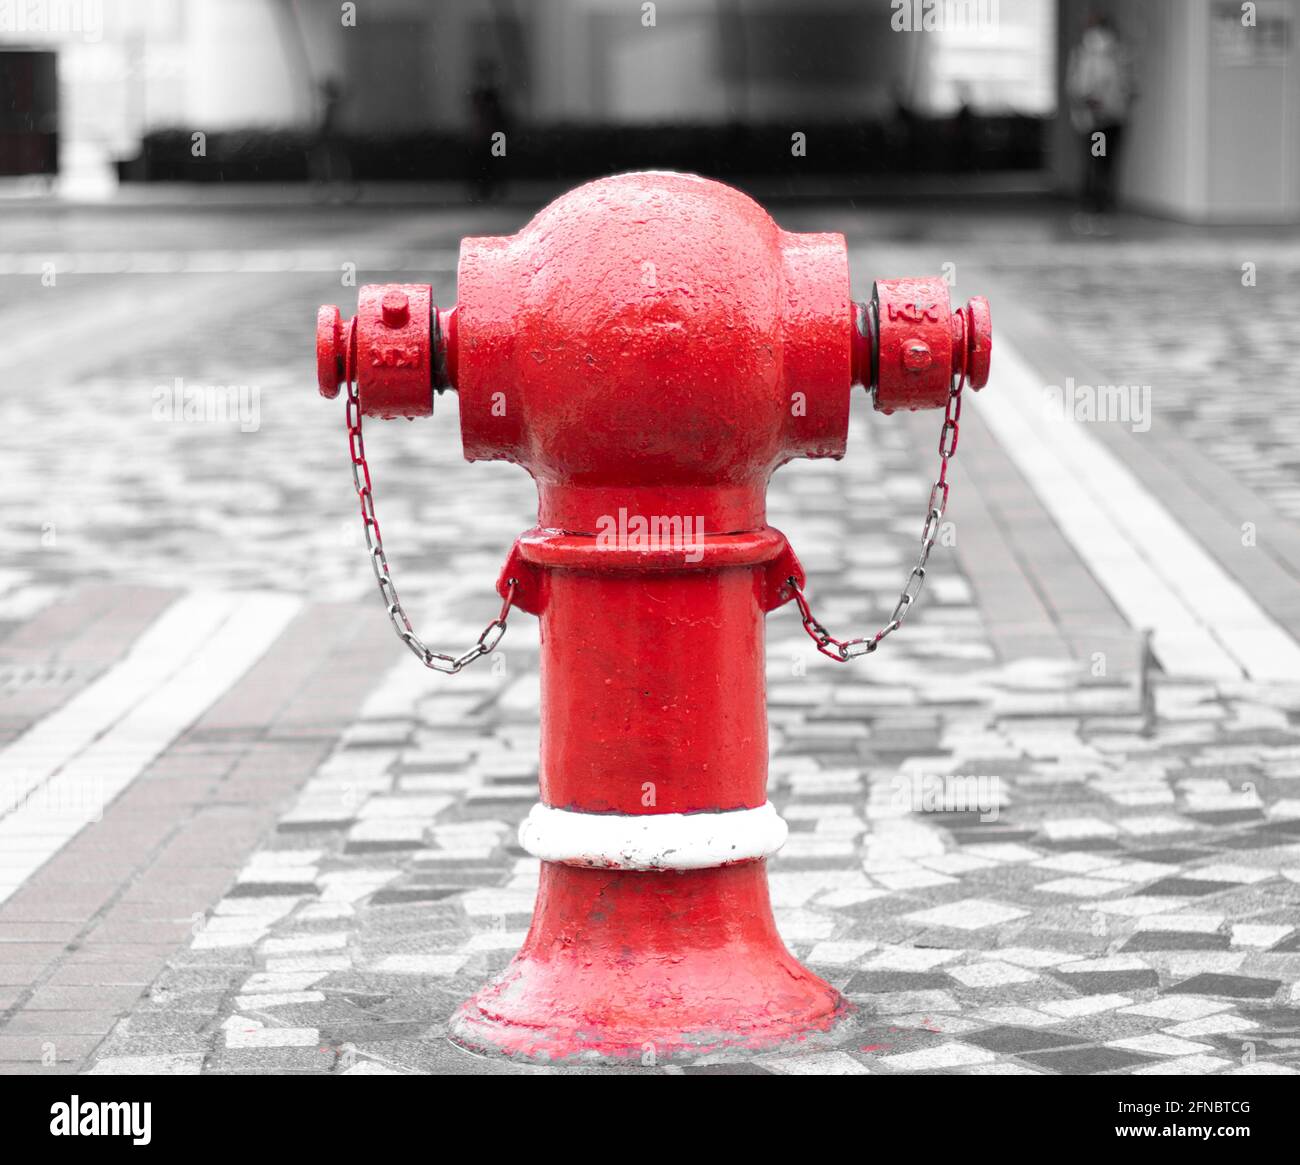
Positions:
(712, 509)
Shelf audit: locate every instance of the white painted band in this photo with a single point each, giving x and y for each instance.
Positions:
(652, 841)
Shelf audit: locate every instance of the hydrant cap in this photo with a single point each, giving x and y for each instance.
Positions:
(979, 339)
(330, 352)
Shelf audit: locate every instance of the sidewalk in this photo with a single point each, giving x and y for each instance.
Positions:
(1126, 903)
(311, 870)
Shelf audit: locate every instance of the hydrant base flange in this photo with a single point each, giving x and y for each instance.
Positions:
(636, 967)
(483, 1036)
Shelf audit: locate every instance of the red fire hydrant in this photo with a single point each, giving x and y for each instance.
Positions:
(650, 348)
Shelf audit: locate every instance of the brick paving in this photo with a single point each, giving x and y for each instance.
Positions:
(61, 648)
(91, 929)
(1009, 863)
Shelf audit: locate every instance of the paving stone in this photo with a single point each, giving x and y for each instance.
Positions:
(898, 958)
(897, 1003)
(1211, 1025)
(1235, 986)
(1086, 1061)
(247, 1003)
(1160, 1045)
(1173, 940)
(273, 1061)
(300, 944)
(1183, 922)
(876, 982)
(1108, 982)
(1182, 964)
(273, 1037)
(269, 889)
(1180, 1007)
(175, 1064)
(1170, 855)
(370, 1068)
(1185, 1066)
(818, 1064)
(991, 974)
(1248, 935)
(1185, 887)
(1012, 1016)
(971, 914)
(438, 965)
(948, 1055)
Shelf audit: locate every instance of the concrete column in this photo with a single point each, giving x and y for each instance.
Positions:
(242, 67)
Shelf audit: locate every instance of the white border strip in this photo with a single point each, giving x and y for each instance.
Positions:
(173, 638)
(61, 775)
(652, 841)
(1204, 623)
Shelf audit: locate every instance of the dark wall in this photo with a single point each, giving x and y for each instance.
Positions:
(29, 113)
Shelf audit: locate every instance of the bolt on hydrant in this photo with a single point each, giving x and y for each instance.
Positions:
(650, 347)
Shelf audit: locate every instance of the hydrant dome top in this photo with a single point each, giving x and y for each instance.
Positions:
(616, 191)
(650, 328)
(659, 244)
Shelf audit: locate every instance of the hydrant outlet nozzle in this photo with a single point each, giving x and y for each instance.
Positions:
(909, 347)
(400, 348)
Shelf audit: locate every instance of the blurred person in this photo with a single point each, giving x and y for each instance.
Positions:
(965, 126)
(487, 117)
(902, 126)
(328, 162)
(1099, 87)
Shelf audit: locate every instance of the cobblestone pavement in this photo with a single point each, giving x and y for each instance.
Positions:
(999, 866)
(112, 481)
(1008, 864)
(1112, 913)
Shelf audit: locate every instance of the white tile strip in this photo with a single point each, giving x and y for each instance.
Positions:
(1157, 574)
(59, 775)
(162, 649)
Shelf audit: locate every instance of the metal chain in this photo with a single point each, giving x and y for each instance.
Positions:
(449, 664)
(847, 649)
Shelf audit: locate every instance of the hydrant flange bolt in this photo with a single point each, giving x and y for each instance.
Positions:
(396, 309)
(916, 355)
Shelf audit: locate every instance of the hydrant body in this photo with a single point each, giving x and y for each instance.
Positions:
(651, 347)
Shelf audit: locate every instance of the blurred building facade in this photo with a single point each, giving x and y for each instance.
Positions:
(128, 66)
